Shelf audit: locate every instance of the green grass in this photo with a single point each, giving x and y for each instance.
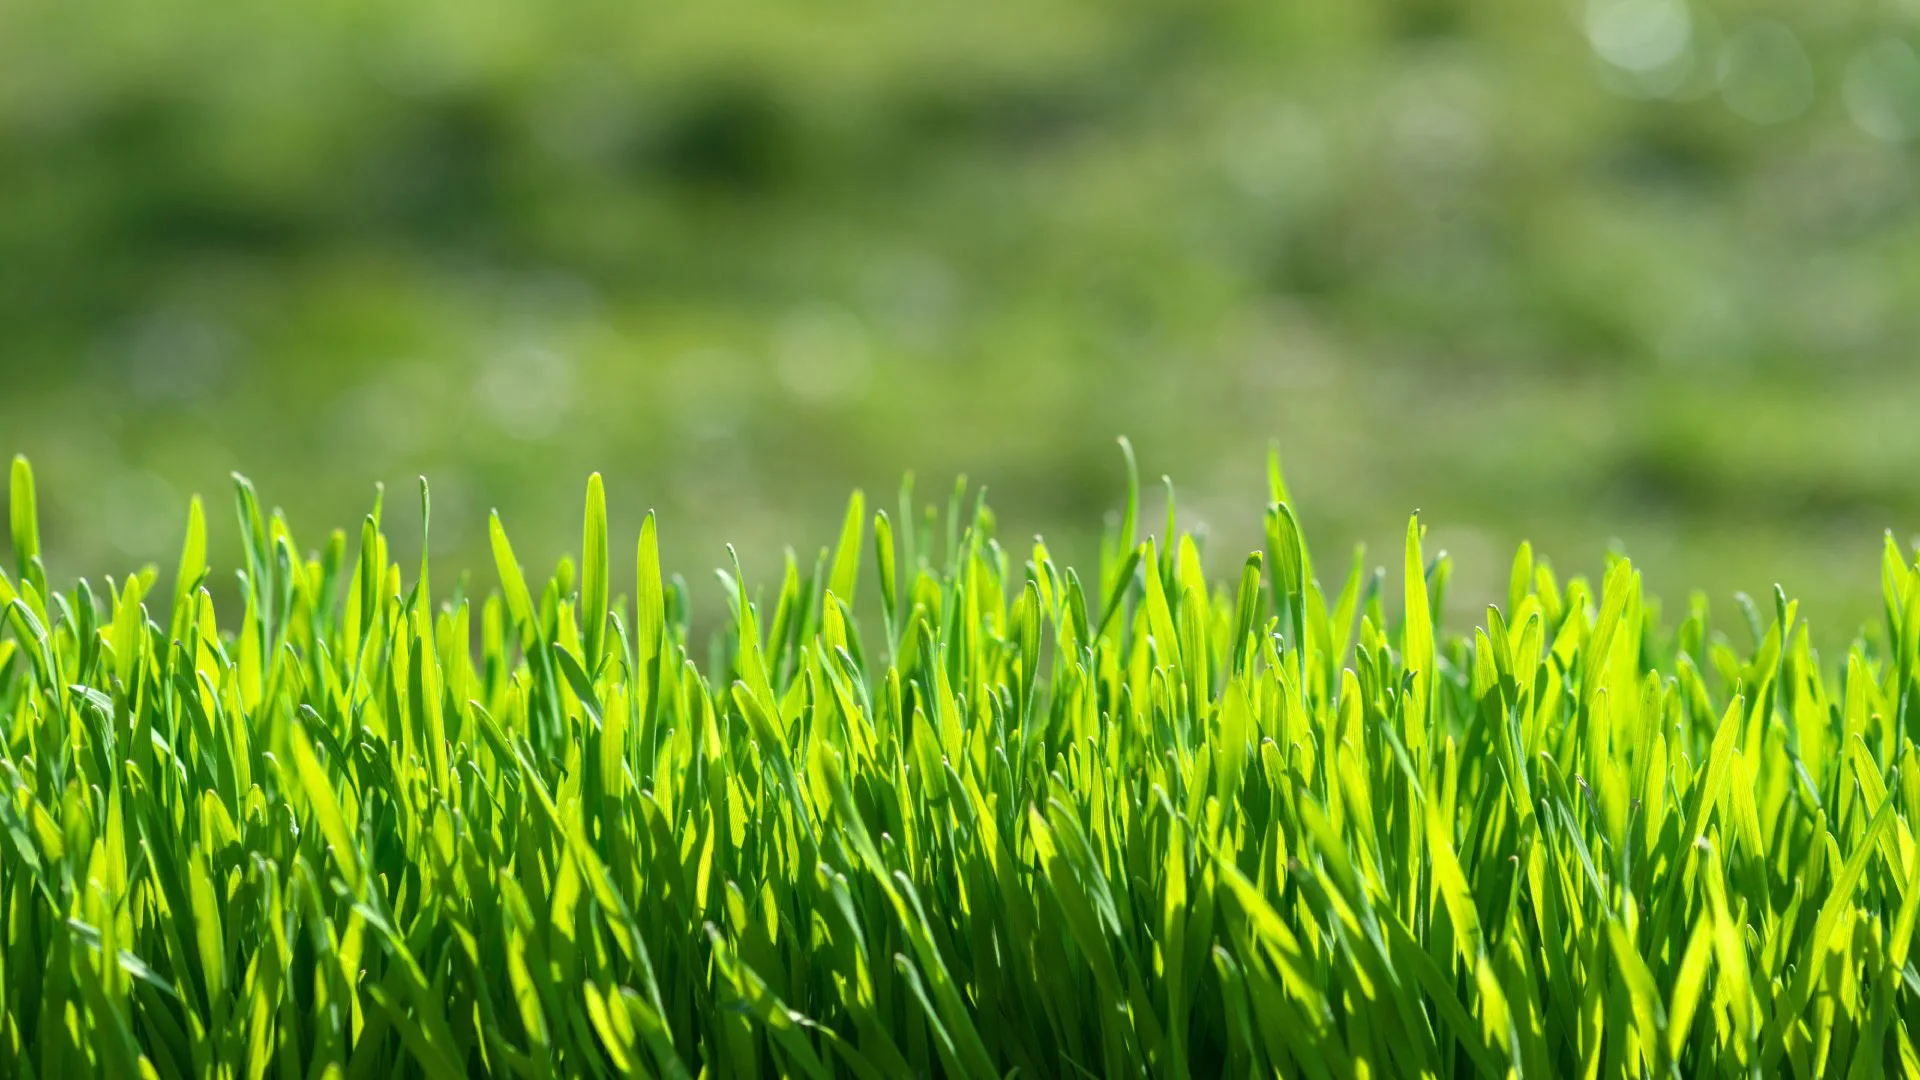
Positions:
(935, 805)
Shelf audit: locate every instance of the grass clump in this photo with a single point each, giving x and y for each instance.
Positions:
(975, 815)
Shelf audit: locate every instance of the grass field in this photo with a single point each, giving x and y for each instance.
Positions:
(933, 804)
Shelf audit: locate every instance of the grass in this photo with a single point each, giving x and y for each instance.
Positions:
(938, 806)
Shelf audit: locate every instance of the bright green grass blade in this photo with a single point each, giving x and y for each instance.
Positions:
(593, 575)
(846, 556)
(650, 602)
(426, 546)
(512, 581)
(1120, 548)
(25, 520)
(1290, 572)
(326, 808)
(1689, 979)
(888, 564)
(1418, 647)
(1649, 1013)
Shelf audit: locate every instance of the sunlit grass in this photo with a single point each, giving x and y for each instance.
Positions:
(934, 805)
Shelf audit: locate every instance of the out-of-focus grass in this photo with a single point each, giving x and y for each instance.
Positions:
(1631, 267)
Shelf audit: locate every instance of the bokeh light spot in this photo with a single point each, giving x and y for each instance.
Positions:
(1882, 90)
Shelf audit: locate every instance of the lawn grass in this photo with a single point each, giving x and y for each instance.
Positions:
(935, 805)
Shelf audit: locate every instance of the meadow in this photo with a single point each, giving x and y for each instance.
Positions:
(931, 802)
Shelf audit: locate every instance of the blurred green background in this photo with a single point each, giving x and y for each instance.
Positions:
(1583, 271)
